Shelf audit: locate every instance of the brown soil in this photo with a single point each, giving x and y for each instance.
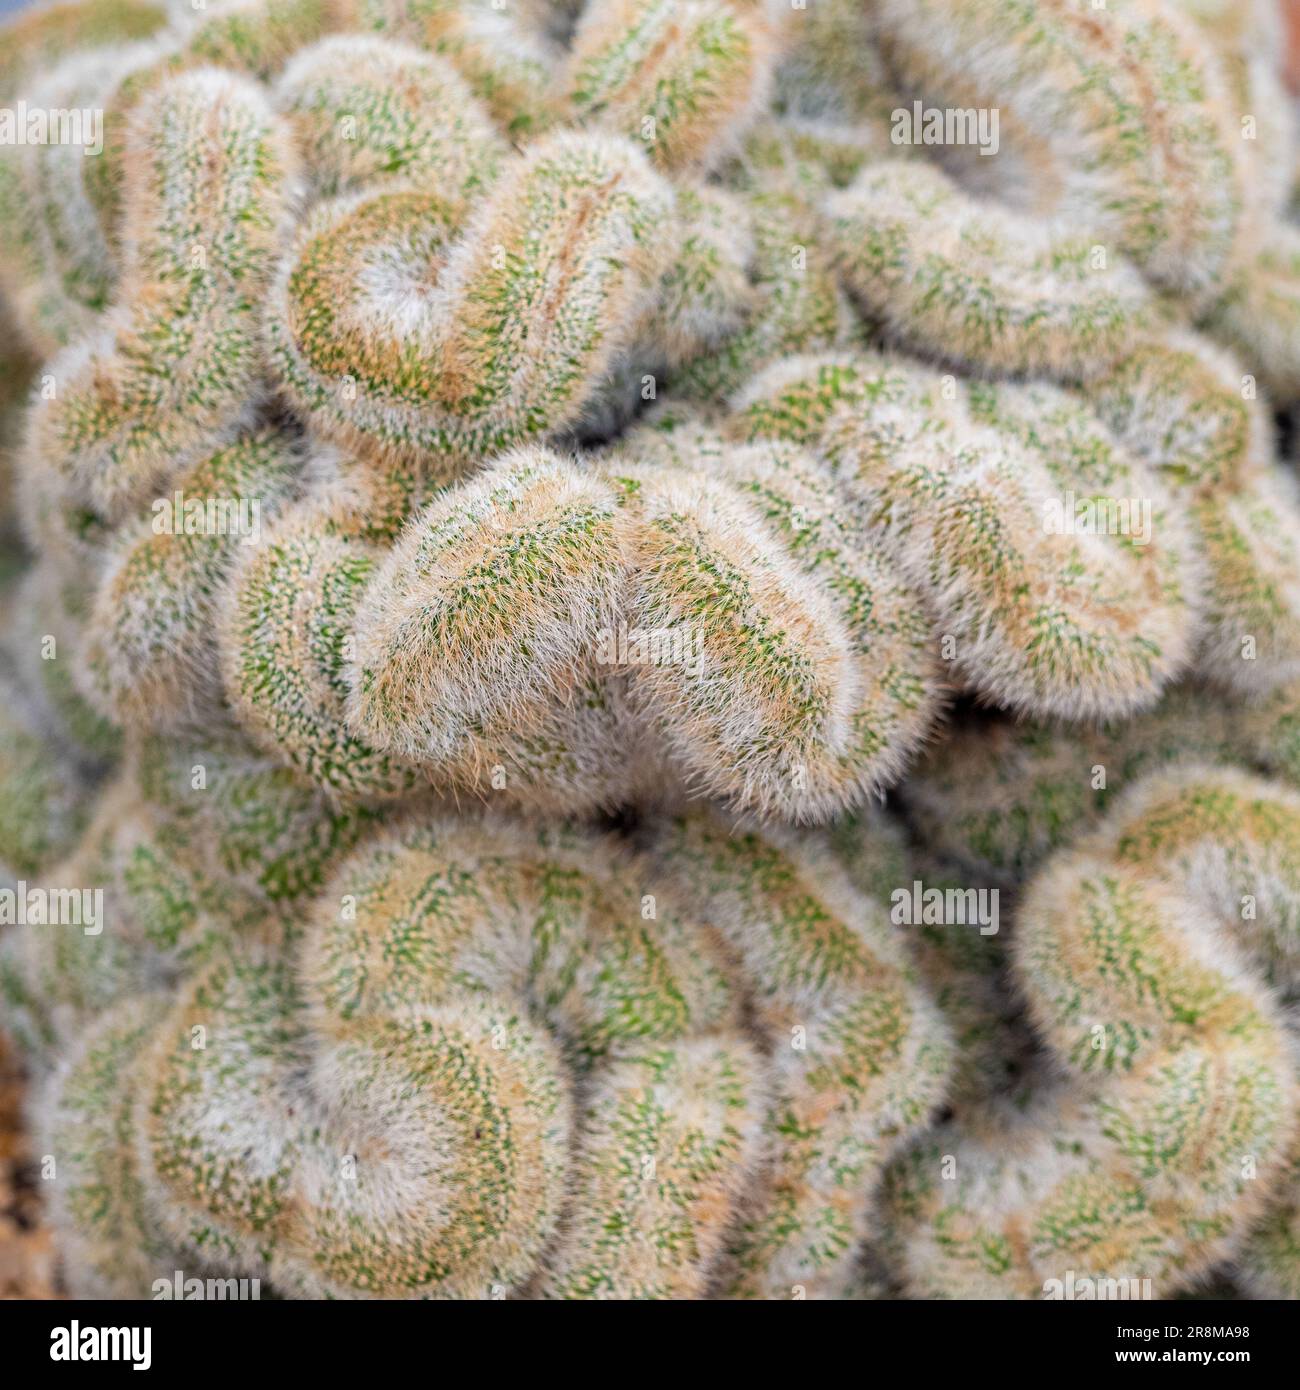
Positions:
(27, 1264)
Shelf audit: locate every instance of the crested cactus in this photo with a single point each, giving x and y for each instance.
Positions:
(974, 491)
(1252, 547)
(1124, 117)
(367, 110)
(1260, 313)
(679, 75)
(521, 307)
(792, 676)
(59, 270)
(536, 961)
(982, 286)
(149, 629)
(1172, 1125)
(289, 617)
(817, 679)
(254, 37)
(797, 304)
(1181, 403)
(43, 35)
(876, 1066)
(42, 798)
(504, 52)
(176, 365)
(560, 556)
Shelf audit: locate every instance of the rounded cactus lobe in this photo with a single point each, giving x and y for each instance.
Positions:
(150, 652)
(175, 365)
(493, 598)
(286, 642)
(405, 334)
(978, 284)
(367, 111)
(1123, 115)
(682, 77)
(1135, 960)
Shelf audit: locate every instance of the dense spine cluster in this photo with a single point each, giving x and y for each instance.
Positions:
(981, 285)
(175, 365)
(1172, 1125)
(966, 488)
(564, 556)
(1122, 125)
(678, 74)
(401, 1122)
(410, 329)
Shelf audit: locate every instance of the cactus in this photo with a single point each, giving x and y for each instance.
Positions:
(981, 285)
(680, 76)
(876, 1067)
(1181, 404)
(832, 77)
(149, 629)
(1269, 1265)
(705, 297)
(288, 622)
(484, 619)
(457, 382)
(47, 643)
(1175, 1058)
(817, 681)
(797, 305)
(1124, 115)
(504, 52)
(803, 681)
(1251, 535)
(253, 37)
(997, 797)
(59, 268)
(41, 36)
(42, 798)
(366, 111)
(101, 1208)
(535, 530)
(530, 964)
(175, 365)
(968, 489)
(1260, 312)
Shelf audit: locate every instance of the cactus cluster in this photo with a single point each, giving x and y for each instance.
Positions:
(490, 1060)
(566, 555)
